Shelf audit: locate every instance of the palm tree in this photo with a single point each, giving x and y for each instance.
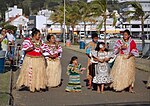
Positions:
(85, 13)
(50, 4)
(58, 15)
(72, 16)
(99, 9)
(137, 14)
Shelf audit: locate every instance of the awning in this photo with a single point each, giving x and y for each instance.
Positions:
(113, 31)
(54, 31)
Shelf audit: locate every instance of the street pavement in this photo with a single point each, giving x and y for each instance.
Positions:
(58, 96)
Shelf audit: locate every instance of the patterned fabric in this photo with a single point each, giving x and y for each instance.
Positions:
(93, 53)
(102, 70)
(123, 71)
(131, 47)
(29, 43)
(74, 78)
(52, 49)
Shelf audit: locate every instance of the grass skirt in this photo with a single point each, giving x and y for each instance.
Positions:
(123, 73)
(53, 72)
(148, 82)
(33, 73)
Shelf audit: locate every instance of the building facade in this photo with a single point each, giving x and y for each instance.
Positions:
(135, 25)
(12, 12)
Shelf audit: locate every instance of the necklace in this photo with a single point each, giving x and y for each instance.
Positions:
(52, 47)
(125, 43)
(36, 44)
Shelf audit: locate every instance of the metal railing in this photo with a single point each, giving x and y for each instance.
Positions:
(11, 77)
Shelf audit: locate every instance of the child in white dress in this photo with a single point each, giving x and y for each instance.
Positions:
(102, 68)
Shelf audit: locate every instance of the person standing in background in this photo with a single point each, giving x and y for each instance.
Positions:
(90, 66)
(4, 41)
(11, 43)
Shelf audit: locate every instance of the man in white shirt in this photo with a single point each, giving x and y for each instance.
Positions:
(11, 42)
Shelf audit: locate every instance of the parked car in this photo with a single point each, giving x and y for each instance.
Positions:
(82, 34)
(102, 36)
(118, 35)
(112, 36)
(89, 35)
(108, 36)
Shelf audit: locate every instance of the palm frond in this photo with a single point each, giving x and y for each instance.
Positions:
(99, 27)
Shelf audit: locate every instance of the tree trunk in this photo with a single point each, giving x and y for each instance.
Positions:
(143, 37)
(72, 35)
(62, 30)
(105, 29)
(84, 31)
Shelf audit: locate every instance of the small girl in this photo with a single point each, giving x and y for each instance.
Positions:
(74, 70)
(102, 68)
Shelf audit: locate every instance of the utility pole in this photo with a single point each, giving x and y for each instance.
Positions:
(64, 35)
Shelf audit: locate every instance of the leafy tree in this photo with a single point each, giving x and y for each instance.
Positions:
(137, 14)
(99, 9)
(11, 27)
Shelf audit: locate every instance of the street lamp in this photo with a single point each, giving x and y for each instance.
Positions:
(147, 25)
(147, 29)
(64, 36)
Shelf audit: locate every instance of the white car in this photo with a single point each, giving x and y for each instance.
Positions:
(82, 34)
(89, 35)
(102, 36)
(112, 36)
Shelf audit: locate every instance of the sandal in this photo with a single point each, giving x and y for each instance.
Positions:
(132, 91)
(89, 87)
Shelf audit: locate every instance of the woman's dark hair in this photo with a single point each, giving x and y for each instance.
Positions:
(94, 35)
(73, 58)
(126, 31)
(2, 29)
(49, 37)
(97, 47)
(34, 31)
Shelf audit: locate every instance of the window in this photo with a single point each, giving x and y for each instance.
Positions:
(145, 26)
(135, 26)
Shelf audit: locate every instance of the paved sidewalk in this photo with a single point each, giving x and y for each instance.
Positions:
(141, 64)
(58, 96)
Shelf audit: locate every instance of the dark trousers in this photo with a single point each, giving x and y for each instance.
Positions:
(92, 73)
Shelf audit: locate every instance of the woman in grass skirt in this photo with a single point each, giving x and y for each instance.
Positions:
(33, 70)
(52, 54)
(123, 70)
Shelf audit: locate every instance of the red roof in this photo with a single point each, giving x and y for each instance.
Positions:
(13, 18)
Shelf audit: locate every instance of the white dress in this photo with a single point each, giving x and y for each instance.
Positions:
(102, 70)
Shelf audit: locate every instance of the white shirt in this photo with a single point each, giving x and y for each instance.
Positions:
(10, 37)
(93, 53)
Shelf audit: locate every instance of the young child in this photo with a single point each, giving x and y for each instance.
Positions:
(102, 68)
(74, 70)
